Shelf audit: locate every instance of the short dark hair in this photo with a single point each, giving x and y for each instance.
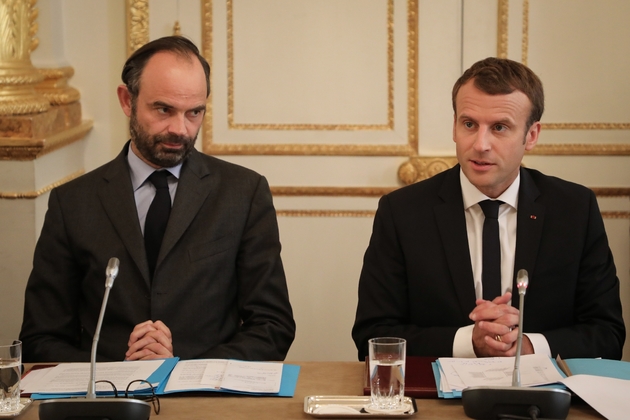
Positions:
(132, 70)
(501, 76)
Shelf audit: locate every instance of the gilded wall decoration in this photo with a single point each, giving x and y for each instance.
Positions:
(34, 194)
(40, 111)
(138, 24)
(18, 77)
(555, 149)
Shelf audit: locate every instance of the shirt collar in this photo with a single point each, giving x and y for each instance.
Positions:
(472, 195)
(140, 170)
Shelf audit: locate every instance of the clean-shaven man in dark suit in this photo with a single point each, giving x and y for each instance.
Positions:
(422, 271)
(215, 288)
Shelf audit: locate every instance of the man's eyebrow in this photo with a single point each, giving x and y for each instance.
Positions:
(504, 121)
(465, 117)
(199, 108)
(160, 104)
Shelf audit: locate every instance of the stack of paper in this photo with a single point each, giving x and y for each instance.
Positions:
(452, 375)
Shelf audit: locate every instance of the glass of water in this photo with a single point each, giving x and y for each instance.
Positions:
(387, 372)
(10, 372)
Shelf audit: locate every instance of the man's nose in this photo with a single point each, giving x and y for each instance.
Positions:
(483, 139)
(178, 125)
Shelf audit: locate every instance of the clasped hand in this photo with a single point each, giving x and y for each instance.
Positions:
(496, 328)
(150, 340)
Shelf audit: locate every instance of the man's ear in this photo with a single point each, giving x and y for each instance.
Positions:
(454, 126)
(124, 97)
(531, 138)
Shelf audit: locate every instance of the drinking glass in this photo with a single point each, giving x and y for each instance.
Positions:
(387, 372)
(10, 373)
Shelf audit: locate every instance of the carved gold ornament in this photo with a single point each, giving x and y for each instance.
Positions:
(18, 77)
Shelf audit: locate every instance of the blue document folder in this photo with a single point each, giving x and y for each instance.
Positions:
(159, 378)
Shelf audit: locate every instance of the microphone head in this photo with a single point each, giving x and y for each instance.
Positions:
(522, 281)
(111, 271)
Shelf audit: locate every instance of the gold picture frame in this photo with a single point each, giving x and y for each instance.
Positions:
(579, 149)
(138, 34)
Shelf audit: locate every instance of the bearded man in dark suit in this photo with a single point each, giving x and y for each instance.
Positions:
(212, 286)
(423, 276)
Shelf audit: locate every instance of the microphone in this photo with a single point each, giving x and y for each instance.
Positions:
(91, 407)
(487, 402)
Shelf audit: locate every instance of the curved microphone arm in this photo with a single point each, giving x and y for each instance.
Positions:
(111, 272)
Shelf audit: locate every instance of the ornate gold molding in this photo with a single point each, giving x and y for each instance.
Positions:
(611, 192)
(418, 168)
(503, 7)
(325, 213)
(41, 191)
(310, 149)
(412, 75)
(22, 149)
(586, 126)
(55, 87)
(371, 213)
(17, 75)
(137, 24)
(525, 38)
(207, 33)
(581, 149)
(332, 191)
(616, 215)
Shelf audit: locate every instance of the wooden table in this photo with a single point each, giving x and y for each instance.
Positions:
(316, 378)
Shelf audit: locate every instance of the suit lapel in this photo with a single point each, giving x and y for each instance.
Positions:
(193, 188)
(529, 227)
(452, 225)
(116, 195)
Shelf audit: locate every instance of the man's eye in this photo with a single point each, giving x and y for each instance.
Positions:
(468, 124)
(162, 110)
(500, 127)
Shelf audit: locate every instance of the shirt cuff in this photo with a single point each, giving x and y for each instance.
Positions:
(462, 344)
(540, 344)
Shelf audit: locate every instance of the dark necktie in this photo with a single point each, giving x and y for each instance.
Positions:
(491, 253)
(157, 218)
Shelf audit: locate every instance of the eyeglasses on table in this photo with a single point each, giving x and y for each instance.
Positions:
(138, 394)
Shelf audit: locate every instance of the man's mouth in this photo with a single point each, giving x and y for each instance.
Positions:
(481, 163)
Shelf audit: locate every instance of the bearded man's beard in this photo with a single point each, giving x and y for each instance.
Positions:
(149, 145)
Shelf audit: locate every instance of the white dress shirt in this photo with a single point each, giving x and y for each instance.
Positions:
(462, 344)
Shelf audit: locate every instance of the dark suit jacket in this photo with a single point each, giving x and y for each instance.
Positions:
(219, 283)
(417, 280)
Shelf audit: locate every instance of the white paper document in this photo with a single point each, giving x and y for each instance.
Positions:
(69, 378)
(460, 373)
(609, 396)
(255, 377)
(252, 377)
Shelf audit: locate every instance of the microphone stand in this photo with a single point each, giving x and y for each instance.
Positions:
(522, 283)
(488, 402)
(91, 407)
